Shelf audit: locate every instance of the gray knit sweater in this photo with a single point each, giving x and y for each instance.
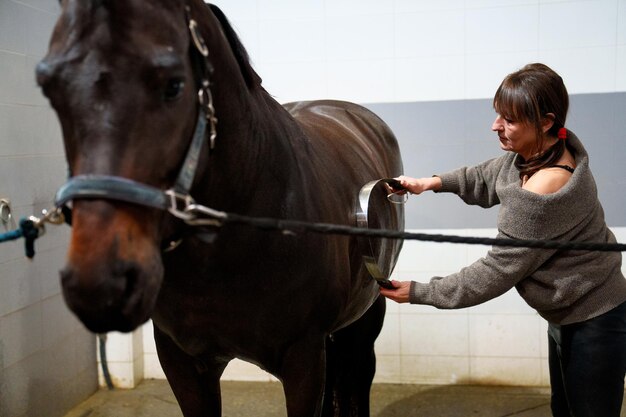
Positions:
(563, 286)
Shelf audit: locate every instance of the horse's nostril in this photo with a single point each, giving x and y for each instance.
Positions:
(101, 285)
(132, 276)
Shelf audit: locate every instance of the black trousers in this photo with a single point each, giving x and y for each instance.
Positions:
(587, 366)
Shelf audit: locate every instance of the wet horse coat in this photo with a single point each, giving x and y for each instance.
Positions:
(122, 76)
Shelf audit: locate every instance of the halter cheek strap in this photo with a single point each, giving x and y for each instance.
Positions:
(190, 166)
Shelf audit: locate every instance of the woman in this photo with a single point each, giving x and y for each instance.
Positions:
(546, 191)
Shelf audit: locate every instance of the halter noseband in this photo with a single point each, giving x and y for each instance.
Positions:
(123, 189)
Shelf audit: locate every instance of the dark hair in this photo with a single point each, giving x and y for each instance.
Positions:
(527, 96)
(241, 55)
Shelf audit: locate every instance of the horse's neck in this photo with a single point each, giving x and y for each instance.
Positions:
(252, 165)
(264, 135)
(253, 131)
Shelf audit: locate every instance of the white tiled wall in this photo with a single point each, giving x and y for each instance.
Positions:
(47, 358)
(404, 50)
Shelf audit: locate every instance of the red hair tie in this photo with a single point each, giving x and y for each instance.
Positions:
(562, 133)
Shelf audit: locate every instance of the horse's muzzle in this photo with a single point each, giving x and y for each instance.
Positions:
(121, 302)
(114, 270)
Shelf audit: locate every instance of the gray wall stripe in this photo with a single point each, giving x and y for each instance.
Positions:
(436, 137)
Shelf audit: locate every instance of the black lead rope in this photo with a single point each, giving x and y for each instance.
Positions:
(296, 226)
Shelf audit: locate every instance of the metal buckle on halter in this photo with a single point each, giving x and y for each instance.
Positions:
(179, 204)
(205, 98)
(215, 217)
(182, 206)
(198, 41)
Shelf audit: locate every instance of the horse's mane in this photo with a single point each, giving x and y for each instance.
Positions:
(249, 74)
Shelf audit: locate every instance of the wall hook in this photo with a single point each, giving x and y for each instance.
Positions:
(5, 211)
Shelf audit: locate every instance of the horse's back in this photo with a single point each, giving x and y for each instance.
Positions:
(348, 127)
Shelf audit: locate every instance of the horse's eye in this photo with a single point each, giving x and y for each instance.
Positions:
(173, 89)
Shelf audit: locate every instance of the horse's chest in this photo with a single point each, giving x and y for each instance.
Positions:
(213, 322)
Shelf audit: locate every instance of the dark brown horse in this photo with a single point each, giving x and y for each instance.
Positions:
(134, 84)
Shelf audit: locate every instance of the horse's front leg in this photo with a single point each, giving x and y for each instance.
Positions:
(197, 388)
(303, 373)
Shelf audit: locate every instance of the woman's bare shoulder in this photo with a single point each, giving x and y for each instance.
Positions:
(547, 180)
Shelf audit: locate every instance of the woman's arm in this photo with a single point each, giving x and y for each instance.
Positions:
(475, 185)
(487, 278)
(419, 185)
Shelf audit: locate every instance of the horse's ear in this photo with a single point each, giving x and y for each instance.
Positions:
(252, 78)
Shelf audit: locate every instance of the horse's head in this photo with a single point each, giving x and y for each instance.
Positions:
(122, 78)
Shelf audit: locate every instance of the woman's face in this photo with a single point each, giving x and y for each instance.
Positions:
(518, 137)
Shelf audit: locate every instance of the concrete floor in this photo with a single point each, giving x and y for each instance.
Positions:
(153, 398)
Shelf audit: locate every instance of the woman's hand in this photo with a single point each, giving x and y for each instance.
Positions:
(399, 293)
(419, 185)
